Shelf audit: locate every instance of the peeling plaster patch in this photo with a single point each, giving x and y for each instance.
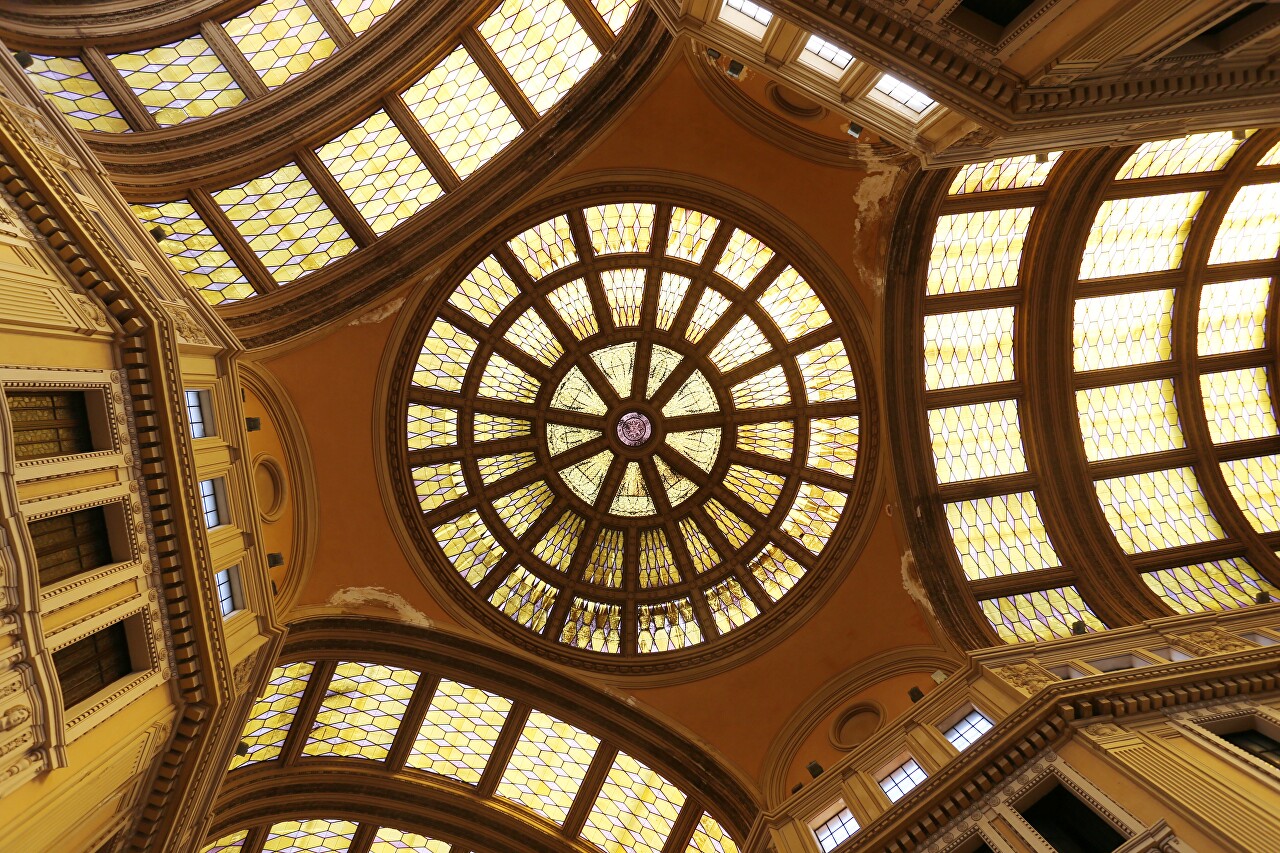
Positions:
(911, 582)
(376, 596)
(876, 193)
(378, 314)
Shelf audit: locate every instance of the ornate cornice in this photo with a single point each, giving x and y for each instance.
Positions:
(72, 23)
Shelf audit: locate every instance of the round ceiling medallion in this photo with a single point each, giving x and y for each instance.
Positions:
(632, 431)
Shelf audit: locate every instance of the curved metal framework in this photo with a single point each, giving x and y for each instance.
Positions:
(1094, 437)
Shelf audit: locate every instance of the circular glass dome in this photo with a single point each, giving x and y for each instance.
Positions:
(632, 430)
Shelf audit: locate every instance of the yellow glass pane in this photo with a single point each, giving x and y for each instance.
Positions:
(1128, 420)
(521, 508)
(73, 90)
(974, 441)
(593, 625)
(694, 397)
(615, 12)
(1253, 484)
(542, 46)
(546, 247)
(525, 598)
(558, 545)
(739, 345)
(977, 251)
(1138, 235)
(624, 227)
(496, 427)
(833, 445)
(711, 306)
(1272, 157)
(793, 305)
(605, 568)
(272, 714)
(813, 516)
(1238, 405)
(700, 549)
(575, 394)
(380, 172)
(690, 233)
(662, 362)
(531, 334)
(1124, 329)
(767, 388)
(699, 446)
(710, 837)
(561, 438)
(670, 296)
(1159, 509)
(1006, 174)
(232, 843)
(195, 252)
(462, 113)
(572, 302)
(1039, 615)
(1218, 585)
(468, 544)
(431, 427)
(624, 290)
(485, 292)
(968, 348)
(1250, 231)
(635, 810)
(743, 259)
(503, 380)
(494, 468)
(776, 572)
(657, 564)
(633, 498)
(1196, 152)
(310, 836)
(442, 362)
(362, 14)
(1000, 535)
(458, 733)
(280, 38)
(179, 81)
(392, 840)
(828, 376)
(730, 605)
(548, 765)
(586, 478)
(286, 223)
(666, 626)
(771, 438)
(677, 487)
(436, 485)
(758, 488)
(618, 364)
(1233, 316)
(733, 528)
(361, 711)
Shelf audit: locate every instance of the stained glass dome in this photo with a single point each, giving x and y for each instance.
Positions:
(632, 429)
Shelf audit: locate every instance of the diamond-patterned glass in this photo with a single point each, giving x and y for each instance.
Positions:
(272, 714)
(1124, 329)
(179, 81)
(968, 348)
(1237, 404)
(1233, 316)
(1158, 509)
(1250, 231)
(1218, 585)
(1253, 484)
(195, 252)
(978, 440)
(1040, 615)
(310, 836)
(281, 39)
(1128, 420)
(1138, 235)
(1006, 174)
(542, 46)
(1000, 535)
(361, 711)
(458, 733)
(547, 768)
(1196, 152)
(977, 251)
(635, 810)
(74, 91)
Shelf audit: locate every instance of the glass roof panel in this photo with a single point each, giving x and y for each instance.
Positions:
(179, 81)
(1039, 615)
(310, 836)
(1123, 329)
(828, 376)
(825, 57)
(635, 811)
(1253, 483)
(280, 38)
(701, 446)
(624, 291)
(1250, 229)
(1233, 316)
(392, 840)
(272, 714)
(1139, 235)
(1157, 509)
(573, 303)
(670, 297)
(469, 545)
(521, 508)
(494, 468)
(758, 488)
(529, 333)
(586, 478)
(664, 627)
(710, 837)
(361, 711)
(633, 496)
(978, 440)
(285, 222)
(459, 731)
(743, 259)
(231, 843)
(1217, 585)
(1128, 420)
(767, 388)
(1238, 405)
(739, 345)
(977, 251)
(623, 227)
(503, 380)
(559, 544)
(76, 93)
(694, 397)
(526, 598)
(485, 292)
(750, 18)
(770, 438)
(196, 253)
(1272, 157)
(813, 516)
(793, 305)
(1005, 174)
(1000, 535)
(657, 563)
(547, 768)
(711, 307)
(833, 445)
(462, 113)
(776, 572)
(605, 566)
(968, 348)
(362, 14)
(443, 361)
(690, 233)
(437, 484)
(615, 12)
(1196, 152)
(737, 531)
(546, 247)
(488, 427)
(701, 551)
(911, 99)
(380, 172)
(542, 46)
(730, 605)
(593, 625)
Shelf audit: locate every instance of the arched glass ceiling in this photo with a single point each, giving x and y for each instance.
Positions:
(1173, 352)
(572, 780)
(234, 242)
(632, 429)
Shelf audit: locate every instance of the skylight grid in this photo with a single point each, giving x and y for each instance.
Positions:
(746, 16)
(964, 733)
(824, 56)
(195, 252)
(281, 39)
(910, 98)
(542, 46)
(1217, 585)
(179, 81)
(75, 92)
(1041, 615)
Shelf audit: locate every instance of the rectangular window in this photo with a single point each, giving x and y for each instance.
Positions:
(969, 728)
(1069, 825)
(71, 543)
(821, 55)
(49, 423)
(230, 598)
(200, 414)
(898, 781)
(909, 98)
(86, 666)
(835, 830)
(1257, 744)
(750, 18)
(213, 502)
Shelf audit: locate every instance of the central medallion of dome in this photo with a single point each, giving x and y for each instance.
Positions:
(632, 429)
